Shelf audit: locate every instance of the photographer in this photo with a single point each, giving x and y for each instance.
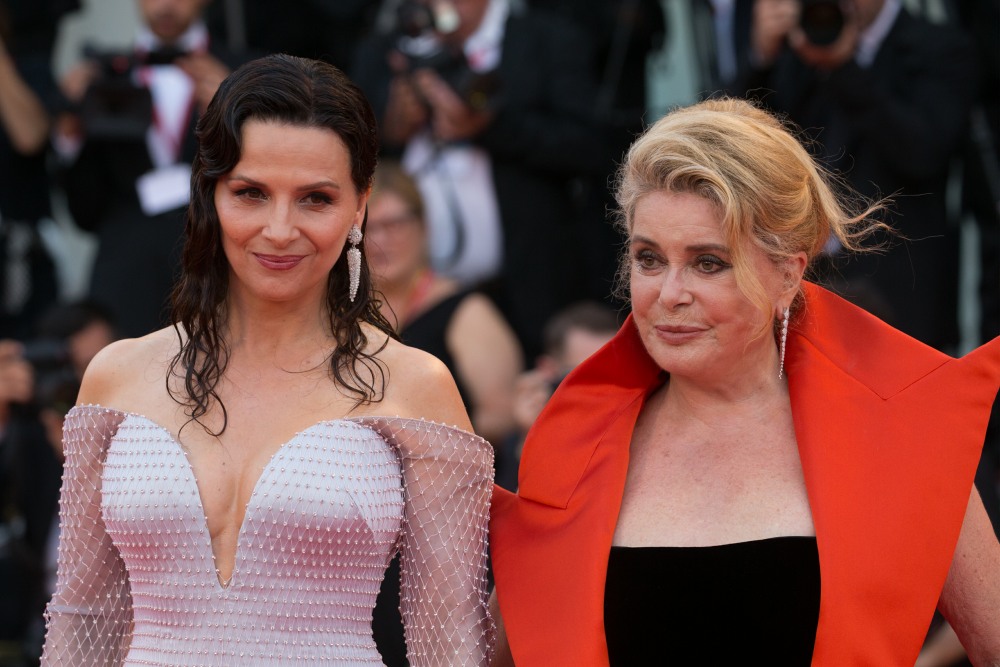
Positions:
(128, 148)
(883, 95)
(28, 98)
(492, 109)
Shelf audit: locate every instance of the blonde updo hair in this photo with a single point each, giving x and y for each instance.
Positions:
(768, 190)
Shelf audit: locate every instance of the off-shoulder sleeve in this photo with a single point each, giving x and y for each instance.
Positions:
(89, 618)
(447, 479)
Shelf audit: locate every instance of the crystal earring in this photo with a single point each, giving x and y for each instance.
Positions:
(354, 237)
(784, 338)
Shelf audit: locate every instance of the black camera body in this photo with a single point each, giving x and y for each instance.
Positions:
(55, 377)
(116, 107)
(822, 21)
(477, 89)
(45, 353)
(414, 20)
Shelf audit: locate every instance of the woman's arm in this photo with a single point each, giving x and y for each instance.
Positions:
(971, 596)
(89, 619)
(488, 359)
(447, 481)
(502, 657)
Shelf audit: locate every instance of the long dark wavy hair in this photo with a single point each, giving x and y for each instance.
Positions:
(298, 92)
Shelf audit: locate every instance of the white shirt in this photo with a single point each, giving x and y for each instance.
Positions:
(871, 38)
(465, 237)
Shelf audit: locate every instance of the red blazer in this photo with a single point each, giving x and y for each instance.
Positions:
(889, 432)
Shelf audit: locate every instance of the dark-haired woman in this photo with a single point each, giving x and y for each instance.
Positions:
(232, 495)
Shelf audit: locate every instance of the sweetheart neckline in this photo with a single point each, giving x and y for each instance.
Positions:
(360, 420)
(224, 584)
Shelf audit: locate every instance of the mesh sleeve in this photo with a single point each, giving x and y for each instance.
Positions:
(447, 478)
(89, 619)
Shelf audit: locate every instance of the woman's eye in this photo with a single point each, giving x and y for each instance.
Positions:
(253, 194)
(317, 199)
(710, 264)
(646, 260)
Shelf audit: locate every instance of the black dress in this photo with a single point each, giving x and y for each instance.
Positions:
(745, 603)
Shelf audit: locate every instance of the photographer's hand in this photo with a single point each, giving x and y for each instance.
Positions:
(207, 72)
(451, 118)
(532, 391)
(773, 20)
(17, 378)
(405, 112)
(77, 80)
(23, 118)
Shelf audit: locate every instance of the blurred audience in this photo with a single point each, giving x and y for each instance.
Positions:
(571, 335)
(326, 30)
(459, 326)
(883, 96)
(981, 200)
(29, 489)
(127, 153)
(720, 35)
(623, 33)
(491, 107)
(29, 97)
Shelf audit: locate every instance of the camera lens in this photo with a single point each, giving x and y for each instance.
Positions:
(414, 18)
(821, 21)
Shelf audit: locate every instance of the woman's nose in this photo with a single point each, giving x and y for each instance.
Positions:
(282, 227)
(674, 291)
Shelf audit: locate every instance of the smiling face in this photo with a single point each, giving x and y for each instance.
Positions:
(694, 320)
(285, 210)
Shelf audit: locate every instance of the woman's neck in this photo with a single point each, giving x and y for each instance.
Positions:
(730, 398)
(278, 332)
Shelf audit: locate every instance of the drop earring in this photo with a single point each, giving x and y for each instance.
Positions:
(784, 338)
(354, 237)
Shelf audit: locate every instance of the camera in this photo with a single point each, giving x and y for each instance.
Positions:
(418, 25)
(116, 106)
(56, 383)
(821, 20)
(46, 353)
(477, 89)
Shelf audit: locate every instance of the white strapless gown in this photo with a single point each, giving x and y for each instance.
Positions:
(137, 581)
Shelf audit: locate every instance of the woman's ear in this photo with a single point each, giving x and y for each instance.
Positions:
(361, 215)
(795, 269)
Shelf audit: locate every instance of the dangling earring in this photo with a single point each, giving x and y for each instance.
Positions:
(354, 237)
(784, 338)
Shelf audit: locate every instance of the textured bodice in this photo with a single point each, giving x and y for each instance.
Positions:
(138, 583)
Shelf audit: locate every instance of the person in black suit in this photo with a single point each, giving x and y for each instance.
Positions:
(530, 119)
(883, 99)
(128, 151)
(327, 30)
(29, 97)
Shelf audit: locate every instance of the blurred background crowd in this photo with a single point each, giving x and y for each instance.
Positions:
(501, 125)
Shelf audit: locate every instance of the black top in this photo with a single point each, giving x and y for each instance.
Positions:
(429, 332)
(745, 603)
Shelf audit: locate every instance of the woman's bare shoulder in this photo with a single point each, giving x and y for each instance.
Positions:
(126, 370)
(418, 385)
